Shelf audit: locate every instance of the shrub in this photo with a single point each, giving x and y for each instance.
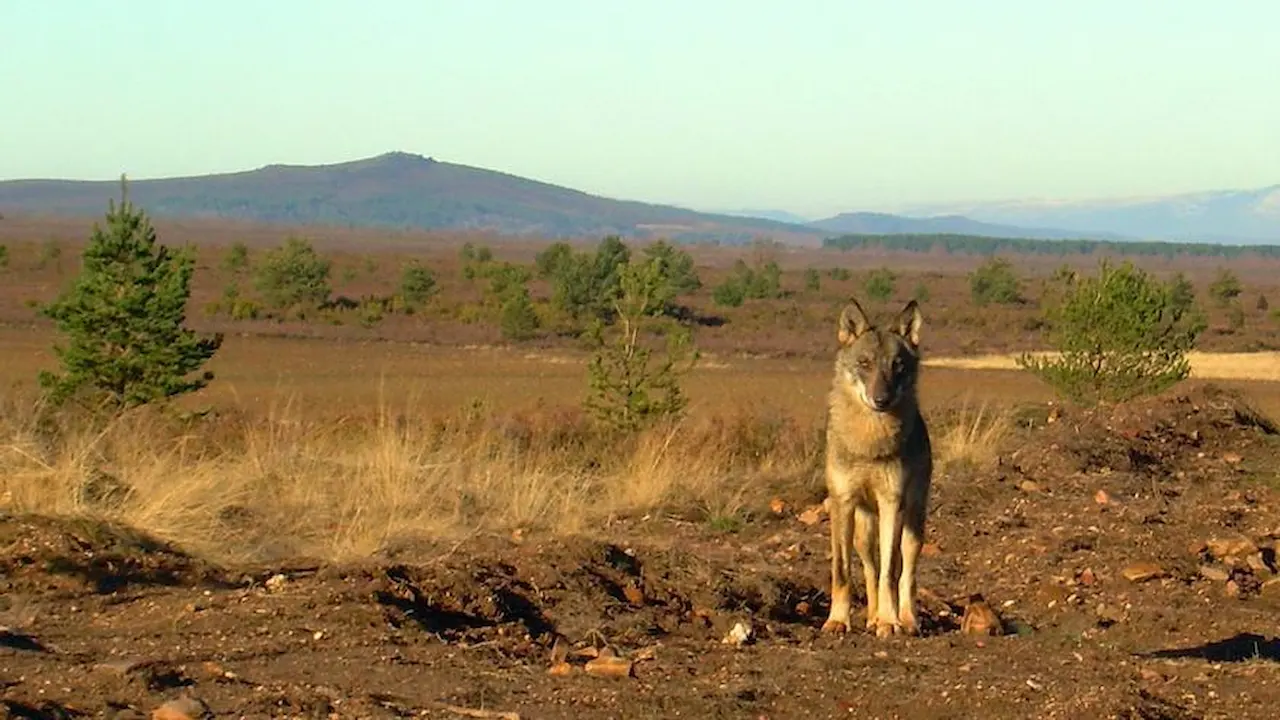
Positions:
(124, 318)
(1120, 335)
(729, 293)
(293, 275)
(676, 275)
(517, 318)
(552, 260)
(237, 258)
(1225, 287)
(812, 280)
(1262, 305)
(839, 274)
(585, 285)
(880, 284)
(474, 259)
(995, 282)
(921, 293)
(629, 385)
(4, 257)
(417, 284)
(244, 309)
(50, 254)
(1235, 317)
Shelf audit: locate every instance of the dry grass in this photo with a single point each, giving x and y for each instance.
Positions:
(1264, 366)
(282, 484)
(973, 434)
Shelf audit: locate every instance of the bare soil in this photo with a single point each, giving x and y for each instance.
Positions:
(102, 621)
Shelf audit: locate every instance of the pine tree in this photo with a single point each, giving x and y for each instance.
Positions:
(124, 319)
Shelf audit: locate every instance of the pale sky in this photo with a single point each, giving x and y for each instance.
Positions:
(809, 106)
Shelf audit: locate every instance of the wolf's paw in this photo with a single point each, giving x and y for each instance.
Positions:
(835, 627)
(908, 624)
(885, 628)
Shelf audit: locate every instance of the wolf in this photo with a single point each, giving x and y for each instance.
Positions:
(879, 466)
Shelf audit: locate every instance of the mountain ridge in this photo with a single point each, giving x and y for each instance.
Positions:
(404, 190)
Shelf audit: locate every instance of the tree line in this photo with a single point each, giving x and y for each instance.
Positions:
(981, 245)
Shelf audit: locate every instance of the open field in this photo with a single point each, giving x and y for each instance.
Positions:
(797, 324)
(388, 521)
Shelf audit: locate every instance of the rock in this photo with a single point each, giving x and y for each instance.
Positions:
(1087, 577)
(276, 582)
(1214, 573)
(1150, 675)
(930, 550)
(123, 666)
(1231, 547)
(740, 634)
(1052, 595)
(1143, 571)
(777, 506)
(184, 708)
(980, 619)
(803, 608)
(1258, 564)
(1102, 497)
(1029, 486)
(609, 664)
(1232, 458)
(1108, 614)
(1231, 589)
(634, 594)
(1271, 589)
(811, 516)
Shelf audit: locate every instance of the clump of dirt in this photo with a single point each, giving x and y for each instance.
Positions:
(1154, 437)
(91, 555)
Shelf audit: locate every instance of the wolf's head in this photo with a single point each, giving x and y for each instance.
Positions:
(879, 365)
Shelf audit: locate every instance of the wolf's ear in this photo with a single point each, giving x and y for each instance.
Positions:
(853, 322)
(909, 322)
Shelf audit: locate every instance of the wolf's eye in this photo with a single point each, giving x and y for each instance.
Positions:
(864, 364)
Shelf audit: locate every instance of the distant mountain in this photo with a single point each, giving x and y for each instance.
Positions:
(396, 190)
(872, 223)
(778, 215)
(403, 190)
(1233, 216)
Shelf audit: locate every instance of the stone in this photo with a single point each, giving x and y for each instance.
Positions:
(1142, 571)
(740, 634)
(1215, 573)
(1231, 547)
(184, 708)
(980, 619)
(811, 516)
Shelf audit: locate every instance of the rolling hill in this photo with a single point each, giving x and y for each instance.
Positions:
(399, 190)
(403, 190)
(871, 223)
(1234, 216)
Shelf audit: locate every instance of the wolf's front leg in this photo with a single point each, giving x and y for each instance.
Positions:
(841, 566)
(887, 622)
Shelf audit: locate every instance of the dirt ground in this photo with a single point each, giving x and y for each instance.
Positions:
(1129, 553)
